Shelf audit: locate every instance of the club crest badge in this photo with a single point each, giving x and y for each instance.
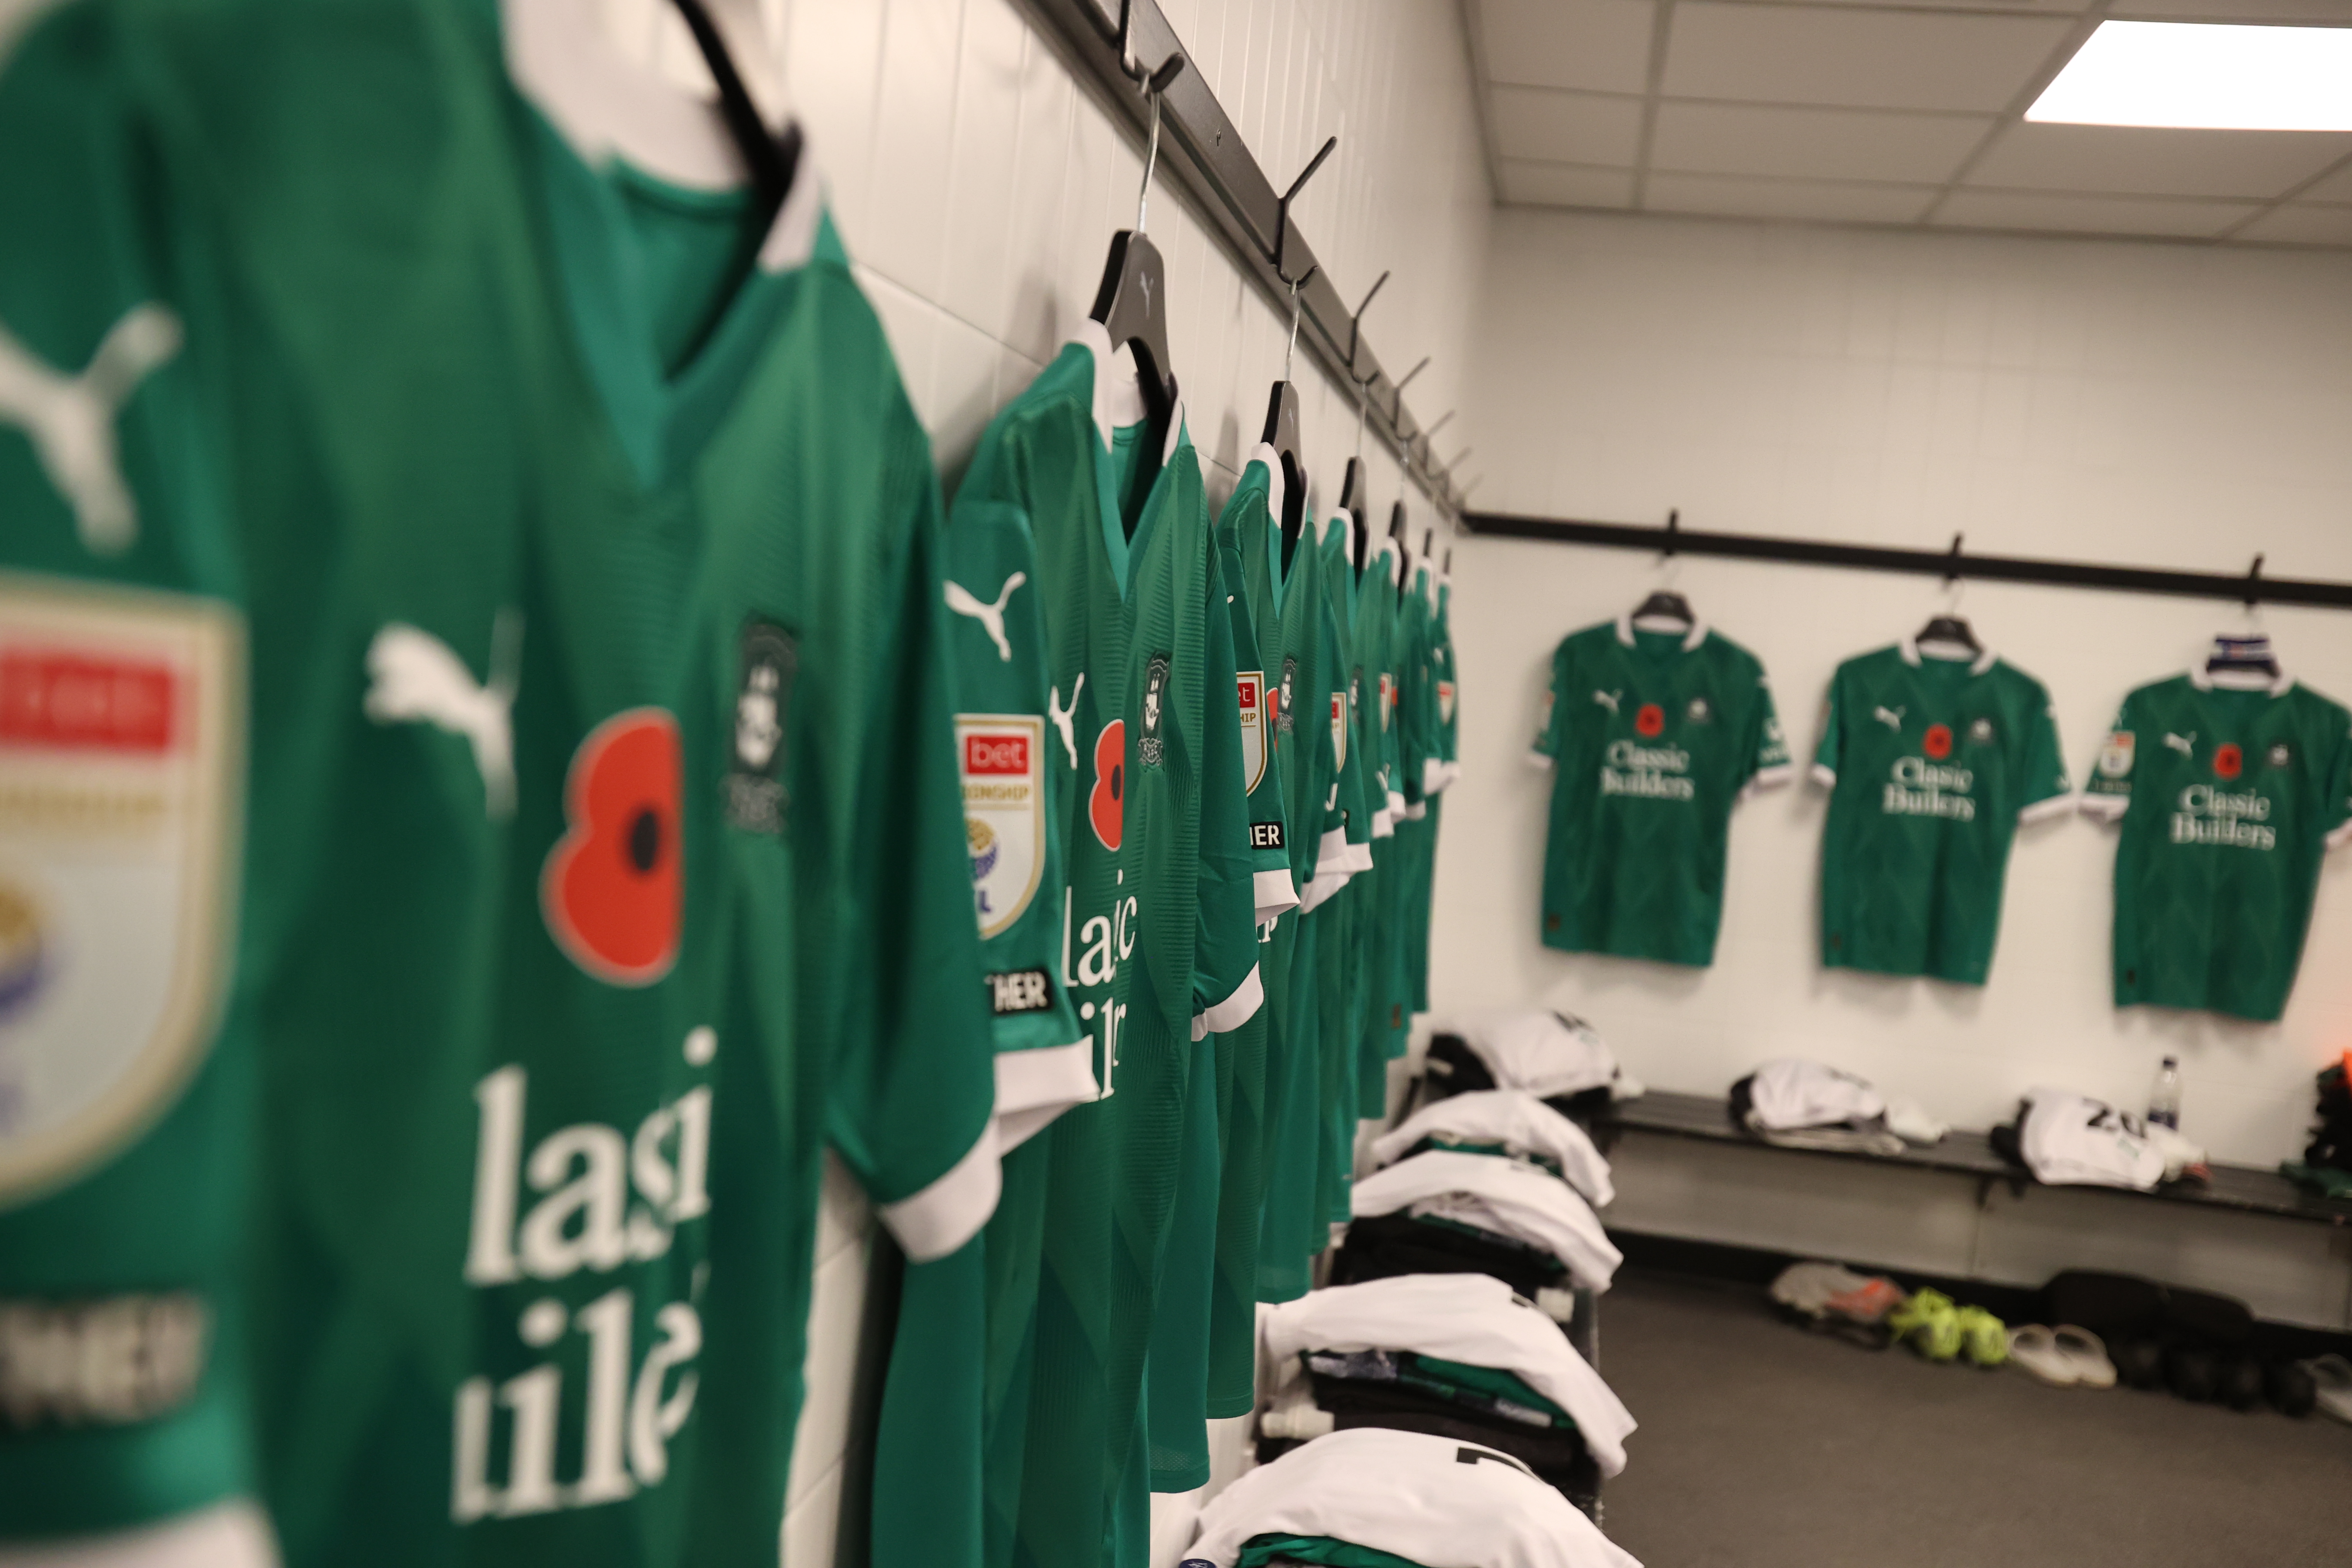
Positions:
(2280, 754)
(1286, 698)
(1000, 761)
(1251, 690)
(1700, 712)
(2115, 756)
(755, 764)
(121, 749)
(1980, 732)
(1152, 746)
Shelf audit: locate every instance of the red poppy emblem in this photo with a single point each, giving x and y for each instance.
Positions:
(1107, 802)
(2228, 762)
(1651, 719)
(612, 889)
(1938, 744)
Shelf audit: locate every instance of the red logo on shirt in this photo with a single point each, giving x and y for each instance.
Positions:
(1651, 719)
(1106, 802)
(2228, 762)
(996, 755)
(612, 889)
(1938, 744)
(77, 701)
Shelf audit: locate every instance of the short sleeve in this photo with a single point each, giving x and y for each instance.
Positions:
(1227, 986)
(1014, 767)
(2048, 791)
(1832, 749)
(1765, 748)
(912, 1097)
(1257, 698)
(2337, 813)
(1544, 750)
(2107, 795)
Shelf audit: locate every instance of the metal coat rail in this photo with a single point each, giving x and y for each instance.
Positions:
(2249, 587)
(1204, 155)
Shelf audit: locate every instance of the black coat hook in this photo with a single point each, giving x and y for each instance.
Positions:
(1356, 328)
(2254, 582)
(1282, 215)
(1674, 531)
(1952, 560)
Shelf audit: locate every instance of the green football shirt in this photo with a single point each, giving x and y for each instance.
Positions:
(604, 859)
(2231, 790)
(1932, 764)
(1652, 737)
(1380, 1033)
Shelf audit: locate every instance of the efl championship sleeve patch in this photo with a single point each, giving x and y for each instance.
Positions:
(1001, 761)
(2115, 756)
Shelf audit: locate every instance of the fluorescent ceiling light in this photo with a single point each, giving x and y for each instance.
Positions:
(2205, 77)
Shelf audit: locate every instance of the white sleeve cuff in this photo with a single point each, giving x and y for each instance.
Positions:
(2042, 810)
(1234, 1011)
(1275, 893)
(1047, 1075)
(1538, 760)
(1763, 779)
(2106, 807)
(1416, 811)
(1433, 775)
(2340, 836)
(1360, 856)
(1825, 775)
(1383, 826)
(950, 1211)
(1396, 803)
(1327, 882)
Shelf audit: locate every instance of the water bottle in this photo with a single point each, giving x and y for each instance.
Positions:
(2163, 1100)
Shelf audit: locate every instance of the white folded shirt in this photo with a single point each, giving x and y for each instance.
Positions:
(2072, 1140)
(1521, 1124)
(1437, 1502)
(1502, 1197)
(1466, 1317)
(1546, 1054)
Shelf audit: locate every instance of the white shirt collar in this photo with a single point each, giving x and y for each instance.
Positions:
(2204, 680)
(1118, 395)
(1910, 648)
(1386, 547)
(608, 108)
(1690, 644)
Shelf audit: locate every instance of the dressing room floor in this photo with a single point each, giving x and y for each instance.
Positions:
(1764, 1447)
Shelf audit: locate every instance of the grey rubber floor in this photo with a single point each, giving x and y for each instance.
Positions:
(1764, 1447)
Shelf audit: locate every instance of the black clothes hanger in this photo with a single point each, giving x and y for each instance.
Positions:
(1132, 303)
(2249, 650)
(1355, 501)
(1396, 532)
(1950, 627)
(1666, 604)
(1282, 405)
(771, 160)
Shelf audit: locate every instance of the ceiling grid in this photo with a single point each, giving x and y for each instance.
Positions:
(1906, 113)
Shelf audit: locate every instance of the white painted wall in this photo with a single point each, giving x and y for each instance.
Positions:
(2152, 404)
(977, 185)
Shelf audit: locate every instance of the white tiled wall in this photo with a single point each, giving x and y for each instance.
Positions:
(977, 184)
(2140, 403)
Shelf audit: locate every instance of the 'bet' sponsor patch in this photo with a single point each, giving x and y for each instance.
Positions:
(1020, 991)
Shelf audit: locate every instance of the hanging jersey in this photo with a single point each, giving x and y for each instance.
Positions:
(1445, 682)
(1430, 1500)
(127, 1059)
(606, 860)
(1470, 1318)
(1654, 736)
(2229, 798)
(1933, 762)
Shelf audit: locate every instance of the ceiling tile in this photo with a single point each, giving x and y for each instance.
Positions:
(2130, 160)
(1820, 200)
(2086, 215)
(1868, 59)
(2301, 225)
(1566, 127)
(2006, 8)
(1567, 186)
(2232, 10)
(1601, 46)
(1813, 143)
(2337, 187)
